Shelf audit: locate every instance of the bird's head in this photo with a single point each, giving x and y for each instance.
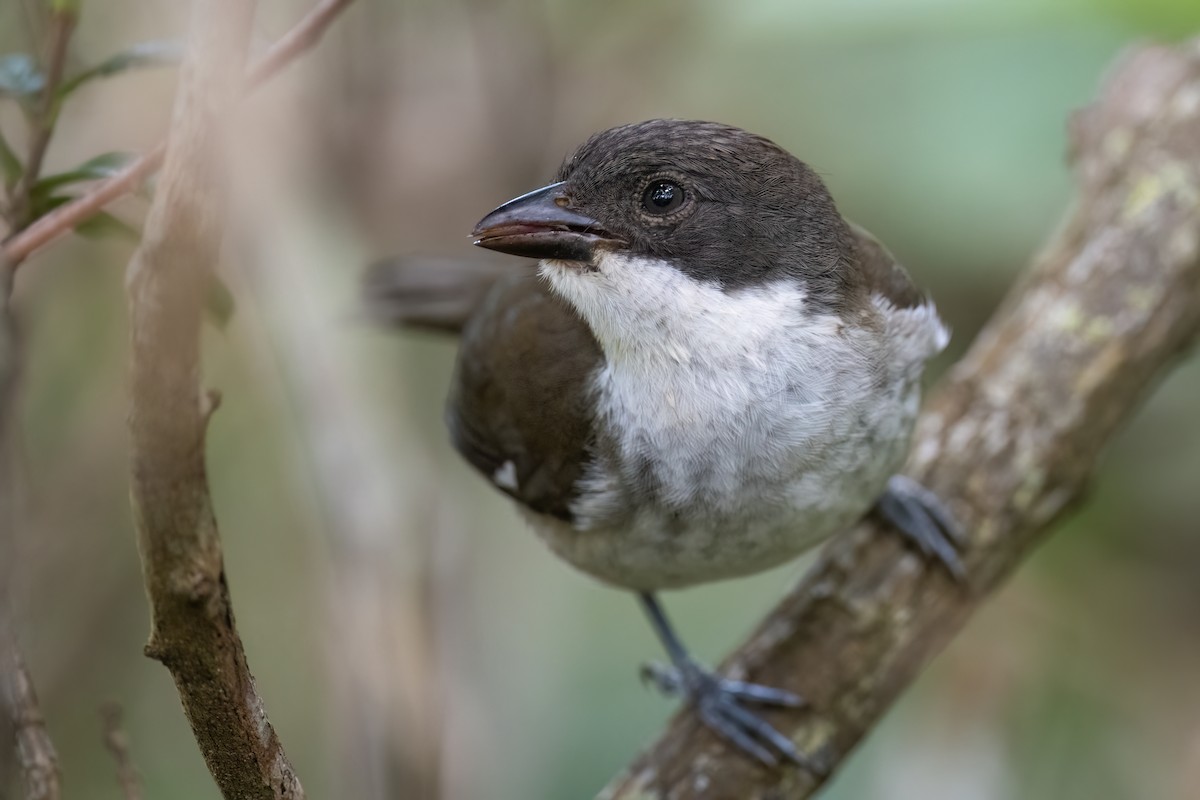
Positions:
(701, 203)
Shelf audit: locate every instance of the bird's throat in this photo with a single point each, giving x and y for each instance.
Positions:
(647, 311)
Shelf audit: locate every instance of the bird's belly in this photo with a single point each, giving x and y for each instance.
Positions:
(734, 504)
(663, 551)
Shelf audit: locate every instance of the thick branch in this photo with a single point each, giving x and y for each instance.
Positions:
(193, 631)
(1009, 440)
(306, 33)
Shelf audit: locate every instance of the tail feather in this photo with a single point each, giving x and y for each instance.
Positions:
(430, 292)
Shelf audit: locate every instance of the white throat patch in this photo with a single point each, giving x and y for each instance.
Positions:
(646, 310)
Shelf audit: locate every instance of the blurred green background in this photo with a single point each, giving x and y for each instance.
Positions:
(409, 636)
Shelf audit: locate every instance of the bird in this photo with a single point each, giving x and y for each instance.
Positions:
(708, 372)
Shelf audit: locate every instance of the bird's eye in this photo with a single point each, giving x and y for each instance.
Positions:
(662, 197)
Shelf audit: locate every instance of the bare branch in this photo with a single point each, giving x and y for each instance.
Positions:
(1009, 441)
(117, 744)
(35, 752)
(304, 35)
(18, 700)
(192, 626)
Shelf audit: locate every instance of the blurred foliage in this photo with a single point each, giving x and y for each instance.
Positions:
(939, 124)
(145, 54)
(20, 76)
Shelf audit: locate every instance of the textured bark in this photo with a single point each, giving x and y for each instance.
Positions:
(1009, 440)
(193, 630)
(36, 756)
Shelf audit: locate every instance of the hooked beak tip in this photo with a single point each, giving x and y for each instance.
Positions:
(541, 224)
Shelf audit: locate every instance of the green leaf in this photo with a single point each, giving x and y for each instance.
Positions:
(11, 168)
(100, 225)
(20, 76)
(218, 302)
(146, 54)
(40, 206)
(104, 224)
(102, 166)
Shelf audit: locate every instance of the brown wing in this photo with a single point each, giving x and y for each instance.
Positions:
(520, 394)
(882, 273)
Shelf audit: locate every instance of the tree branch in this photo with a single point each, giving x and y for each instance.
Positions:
(35, 752)
(19, 707)
(1009, 440)
(304, 35)
(192, 625)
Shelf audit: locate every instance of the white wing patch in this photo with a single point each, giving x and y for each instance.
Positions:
(506, 476)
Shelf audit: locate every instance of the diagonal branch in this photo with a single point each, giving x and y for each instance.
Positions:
(192, 625)
(1009, 440)
(306, 33)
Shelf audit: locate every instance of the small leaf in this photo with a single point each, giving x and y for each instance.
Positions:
(145, 54)
(20, 76)
(40, 206)
(102, 166)
(11, 168)
(218, 302)
(104, 224)
(100, 225)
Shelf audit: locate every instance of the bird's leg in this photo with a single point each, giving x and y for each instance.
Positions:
(918, 513)
(719, 701)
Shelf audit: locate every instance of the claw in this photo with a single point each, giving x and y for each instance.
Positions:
(719, 701)
(720, 704)
(919, 514)
(763, 695)
(737, 737)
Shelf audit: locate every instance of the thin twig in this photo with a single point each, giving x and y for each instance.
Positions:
(1009, 441)
(62, 25)
(18, 700)
(117, 743)
(306, 33)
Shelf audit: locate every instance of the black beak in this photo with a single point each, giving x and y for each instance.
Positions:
(541, 224)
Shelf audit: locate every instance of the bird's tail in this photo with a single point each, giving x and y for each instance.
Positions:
(429, 292)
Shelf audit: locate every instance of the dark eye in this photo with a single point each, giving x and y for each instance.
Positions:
(662, 197)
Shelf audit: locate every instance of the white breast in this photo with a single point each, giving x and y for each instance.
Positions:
(738, 428)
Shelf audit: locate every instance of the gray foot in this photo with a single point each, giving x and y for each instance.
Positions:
(720, 702)
(918, 513)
